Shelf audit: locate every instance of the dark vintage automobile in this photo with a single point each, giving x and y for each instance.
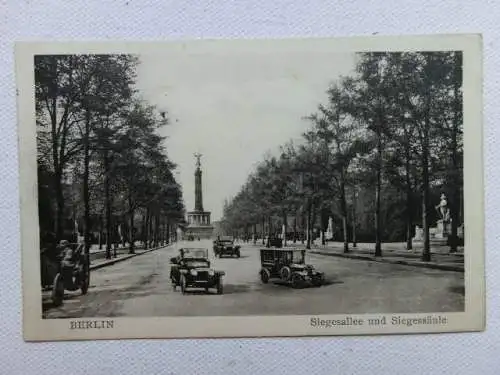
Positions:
(288, 265)
(56, 279)
(191, 269)
(226, 246)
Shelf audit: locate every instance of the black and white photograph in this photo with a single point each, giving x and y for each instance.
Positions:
(251, 188)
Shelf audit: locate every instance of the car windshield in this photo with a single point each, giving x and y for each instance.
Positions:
(195, 253)
(298, 256)
(196, 263)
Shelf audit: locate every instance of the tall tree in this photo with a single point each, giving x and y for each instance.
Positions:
(55, 96)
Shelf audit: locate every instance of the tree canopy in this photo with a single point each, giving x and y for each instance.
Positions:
(375, 157)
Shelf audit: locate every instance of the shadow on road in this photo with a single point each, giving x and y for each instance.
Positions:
(459, 289)
(327, 282)
(332, 282)
(47, 303)
(236, 288)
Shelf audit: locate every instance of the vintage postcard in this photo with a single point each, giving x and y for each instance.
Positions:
(251, 188)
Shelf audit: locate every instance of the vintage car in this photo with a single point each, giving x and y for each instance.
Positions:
(57, 279)
(226, 246)
(191, 269)
(288, 265)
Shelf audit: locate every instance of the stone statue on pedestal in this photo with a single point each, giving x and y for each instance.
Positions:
(443, 209)
(329, 230)
(443, 225)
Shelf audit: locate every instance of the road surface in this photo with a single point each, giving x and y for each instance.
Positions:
(140, 287)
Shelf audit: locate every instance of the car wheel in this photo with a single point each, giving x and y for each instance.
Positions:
(285, 273)
(317, 280)
(183, 285)
(58, 291)
(220, 288)
(238, 254)
(265, 275)
(296, 281)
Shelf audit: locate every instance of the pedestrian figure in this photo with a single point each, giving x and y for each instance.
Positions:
(69, 264)
(67, 261)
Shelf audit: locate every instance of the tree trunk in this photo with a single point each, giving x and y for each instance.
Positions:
(161, 230)
(124, 237)
(354, 218)
(426, 254)
(59, 212)
(57, 163)
(322, 224)
(158, 230)
(285, 224)
(269, 229)
(155, 230)
(343, 207)
(107, 204)
(409, 221)
(167, 231)
(295, 228)
(101, 230)
(378, 247)
(308, 225)
(146, 229)
(263, 231)
(303, 226)
(86, 193)
(314, 214)
(254, 233)
(409, 209)
(131, 229)
(456, 182)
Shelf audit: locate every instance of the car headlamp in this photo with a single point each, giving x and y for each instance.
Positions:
(194, 272)
(211, 272)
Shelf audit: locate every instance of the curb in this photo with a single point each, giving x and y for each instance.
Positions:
(124, 258)
(443, 267)
(367, 254)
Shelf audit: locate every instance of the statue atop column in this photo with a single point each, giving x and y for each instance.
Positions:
(199, 224)
(198, 157)
(198, 206)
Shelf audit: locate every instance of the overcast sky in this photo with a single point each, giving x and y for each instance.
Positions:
(233, 107)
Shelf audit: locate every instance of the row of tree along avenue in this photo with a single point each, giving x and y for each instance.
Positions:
(103, 173)
(376, 157)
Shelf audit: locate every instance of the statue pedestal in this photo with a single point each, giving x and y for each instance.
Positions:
(443, 229)
(419, 234)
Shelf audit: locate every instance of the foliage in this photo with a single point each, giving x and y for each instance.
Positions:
(385, 133)
(101, 159)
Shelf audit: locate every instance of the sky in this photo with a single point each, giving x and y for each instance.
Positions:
(233, 106)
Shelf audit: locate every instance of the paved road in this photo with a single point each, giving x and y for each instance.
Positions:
(141, 287)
